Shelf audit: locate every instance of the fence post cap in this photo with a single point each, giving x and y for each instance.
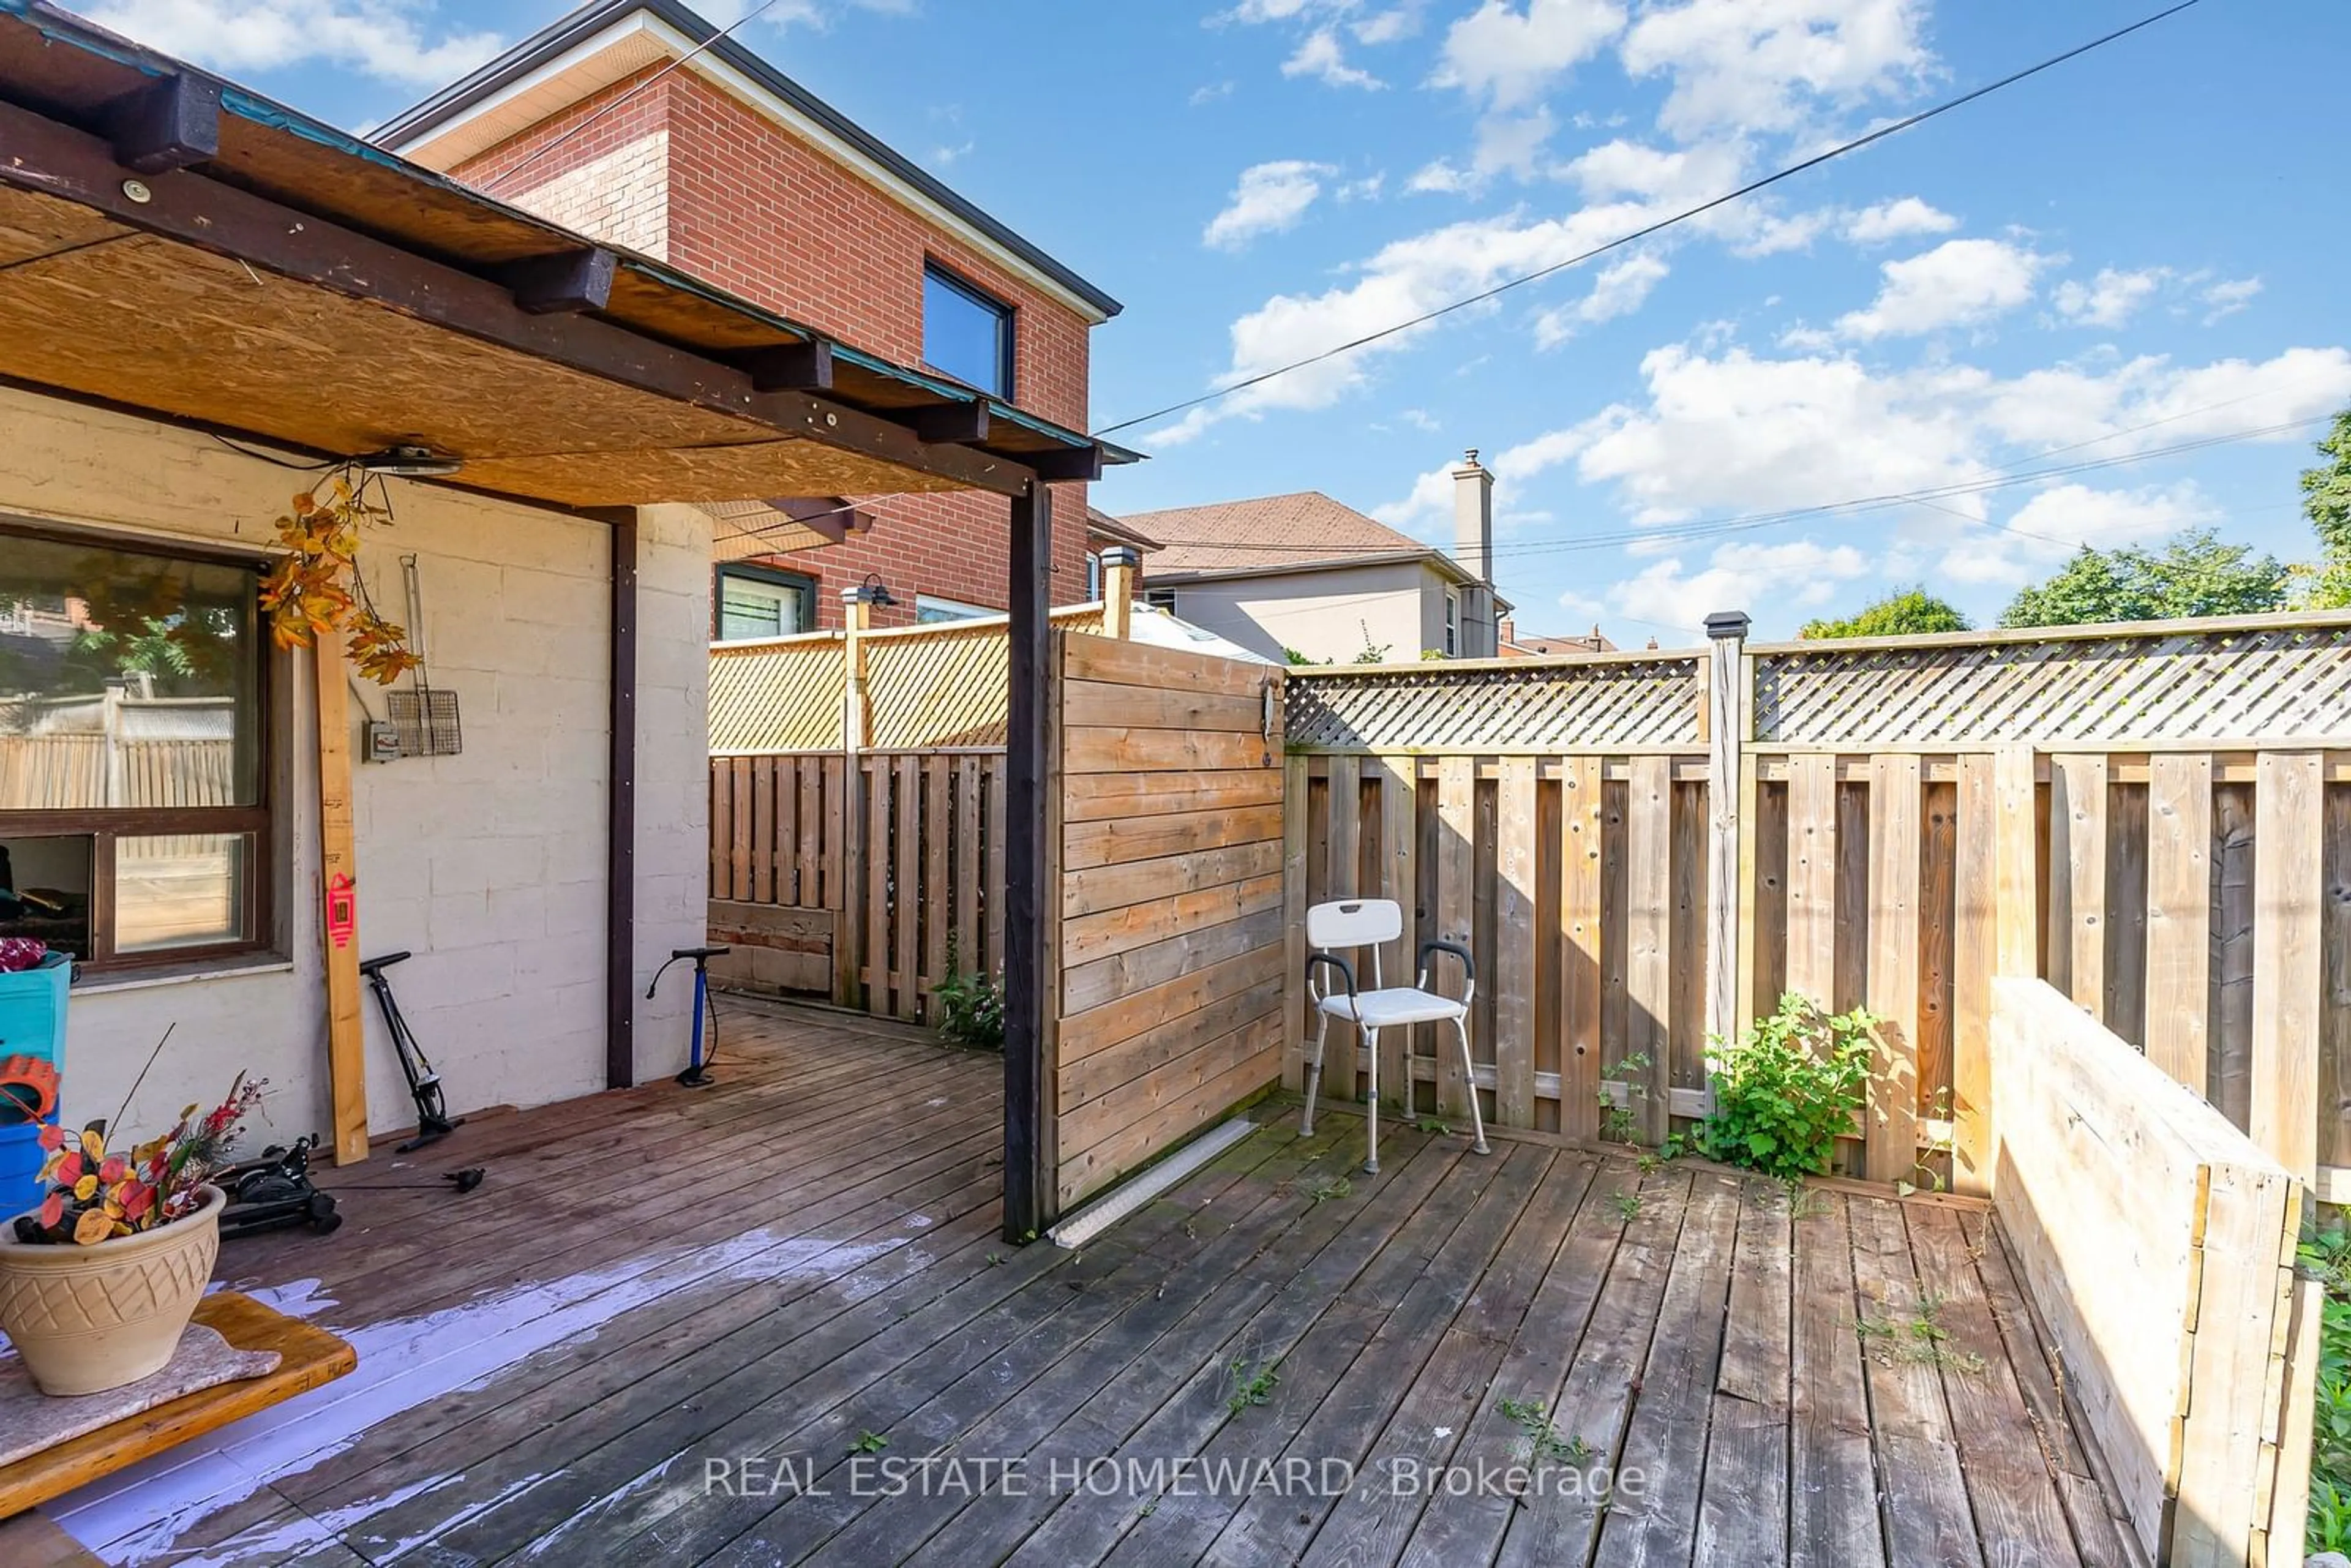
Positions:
(1122, 555)
(1727, 623)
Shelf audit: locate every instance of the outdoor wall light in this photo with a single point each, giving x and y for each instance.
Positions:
(873, 591)
(410, 463)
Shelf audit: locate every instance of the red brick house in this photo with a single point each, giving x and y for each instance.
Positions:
(635, 122)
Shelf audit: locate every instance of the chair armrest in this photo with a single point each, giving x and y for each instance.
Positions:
(1469, 965)
(1346, 973)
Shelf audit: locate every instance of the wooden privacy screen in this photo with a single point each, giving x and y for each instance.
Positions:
(2158, 1245)
(867, 897)
(1171, 946)
(2187, 878)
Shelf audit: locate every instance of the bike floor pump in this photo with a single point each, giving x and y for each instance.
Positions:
(695, 1075)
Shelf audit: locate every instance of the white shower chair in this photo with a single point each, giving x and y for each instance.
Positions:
(1352, 923)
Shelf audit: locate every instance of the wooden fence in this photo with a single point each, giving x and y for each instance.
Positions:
(2158, 1245)
(865, 895)
(1645, 850)
(1170, 947)
(82, 771)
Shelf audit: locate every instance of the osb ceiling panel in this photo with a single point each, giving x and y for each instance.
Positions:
(32, 225)
(653, 307)
(372, 197)
(154, 324)
(701, 474)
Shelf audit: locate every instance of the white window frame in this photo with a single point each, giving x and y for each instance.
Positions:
(1452, 624)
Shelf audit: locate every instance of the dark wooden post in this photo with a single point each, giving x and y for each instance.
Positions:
(1028, 982)
(620, 818)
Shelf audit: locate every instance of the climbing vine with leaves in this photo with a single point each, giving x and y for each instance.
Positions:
(316, 591)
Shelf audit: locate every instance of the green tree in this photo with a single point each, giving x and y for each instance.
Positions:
(2193, 574)
(1902, 614)
(2326, 502)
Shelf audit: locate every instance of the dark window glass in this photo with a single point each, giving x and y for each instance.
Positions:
(966, 334)
(763, 604)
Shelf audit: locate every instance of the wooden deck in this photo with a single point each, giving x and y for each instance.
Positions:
(755, 1308)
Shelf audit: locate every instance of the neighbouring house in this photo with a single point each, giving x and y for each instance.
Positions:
(1106, 532)
(638, 122)
(1303, 574)
(210, 301)
(1518, 644)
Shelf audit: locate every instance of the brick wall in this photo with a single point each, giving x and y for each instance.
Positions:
(746, 206)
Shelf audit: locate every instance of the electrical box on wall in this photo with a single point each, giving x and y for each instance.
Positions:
(382, 741)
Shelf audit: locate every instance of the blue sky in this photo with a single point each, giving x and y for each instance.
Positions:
(2136, 251)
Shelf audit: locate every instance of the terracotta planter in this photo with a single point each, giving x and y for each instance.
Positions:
(87, 1319)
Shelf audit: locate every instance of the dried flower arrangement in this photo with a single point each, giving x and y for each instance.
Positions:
(317, 590)
(95, 1195)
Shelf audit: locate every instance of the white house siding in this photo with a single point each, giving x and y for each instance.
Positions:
(489, 865)
(1326, 615)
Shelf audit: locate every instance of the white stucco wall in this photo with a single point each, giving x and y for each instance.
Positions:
(1324, 614)
(489, 866)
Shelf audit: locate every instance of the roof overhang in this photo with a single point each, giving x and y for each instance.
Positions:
(173, 245)
(598, 44)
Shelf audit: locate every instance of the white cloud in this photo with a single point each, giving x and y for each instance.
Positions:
(944, 156)
(1209, 92)
(381, 38)
(1738, 434)
(1439, 177)
(1387, 27)
(1321, 56)
(2161, 403)
(1742, 575)
(1895, 220)
(1675, 179)
(2227, 298)
(1506, 56)
(2058, 521)
(1366, 189)
(1622, 288)
(1732, 435)
(2108, 299)
(1764, 64)
(1958, 283)
(1429, 504)
(1403, 280)
(1270, 197)
(1251, 11)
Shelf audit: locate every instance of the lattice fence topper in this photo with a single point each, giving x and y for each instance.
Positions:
(2273, 683)
(941, 685)
(779, 696)
(1526, 704)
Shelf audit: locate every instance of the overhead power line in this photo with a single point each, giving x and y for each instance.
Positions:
(1880, 134)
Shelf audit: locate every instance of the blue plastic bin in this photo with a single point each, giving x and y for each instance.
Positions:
(32, 1023)
(20, 1169)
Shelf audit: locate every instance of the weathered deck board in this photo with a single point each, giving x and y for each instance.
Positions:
(1700, 1327)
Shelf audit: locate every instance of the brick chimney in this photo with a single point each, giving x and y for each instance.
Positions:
(1473, 518)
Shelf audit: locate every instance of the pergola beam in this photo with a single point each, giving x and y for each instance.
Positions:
(960, 422)
(568, 280)
(792, 367)
(170, 123)
(59, 160)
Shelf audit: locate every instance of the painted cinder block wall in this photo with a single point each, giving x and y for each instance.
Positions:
(488, 865)
(747, 207)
